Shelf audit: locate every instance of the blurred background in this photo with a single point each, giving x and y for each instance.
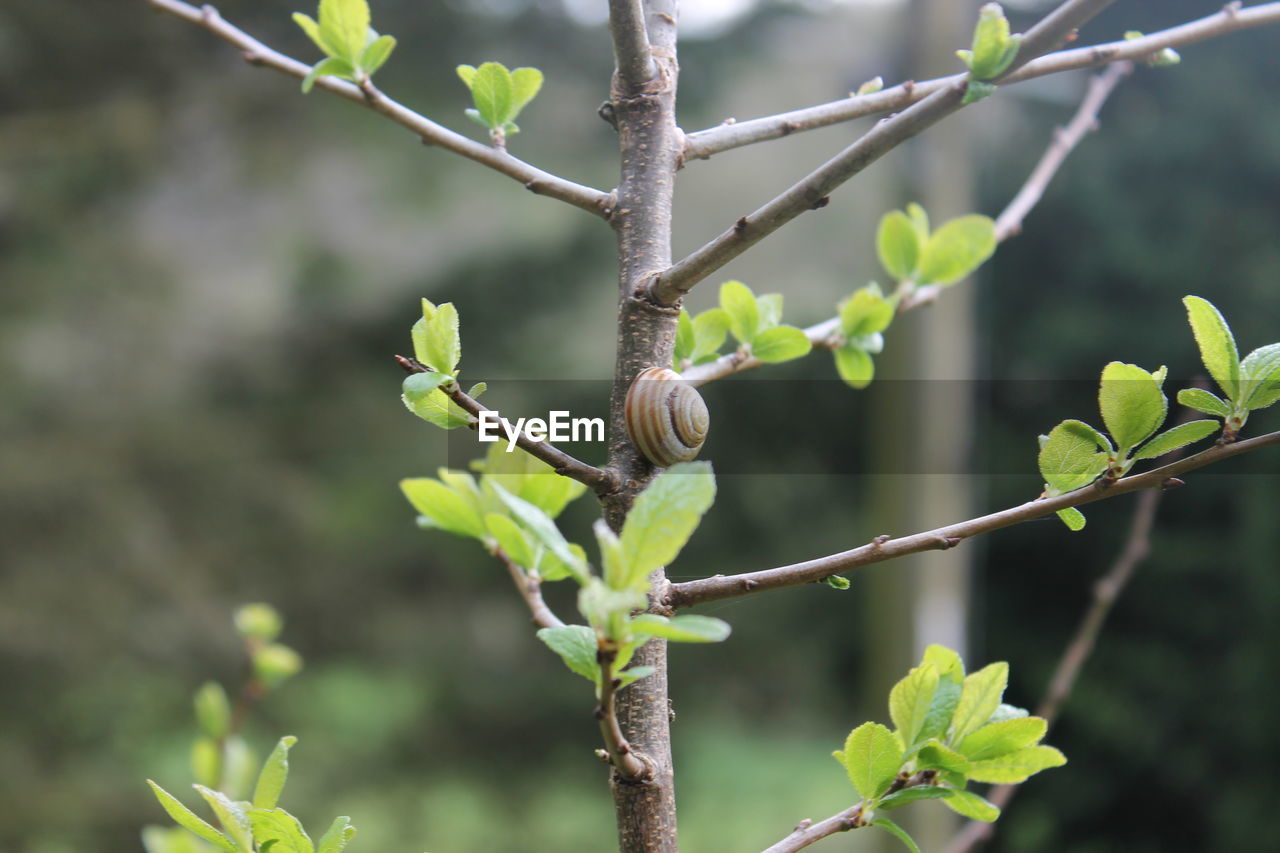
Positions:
(203, 276)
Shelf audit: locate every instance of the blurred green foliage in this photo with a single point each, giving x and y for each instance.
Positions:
(203, 277)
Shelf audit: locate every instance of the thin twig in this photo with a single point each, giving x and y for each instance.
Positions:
(1009, 222)
(626, 763)
(826, 335)
(600, 480)
(704, 143)
(631, 43)
(534, 179)
(731, 586)
(529, 586)
(807, 832)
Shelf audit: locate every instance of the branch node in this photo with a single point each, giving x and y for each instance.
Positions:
(880, 540)
(208, 14)
(748, 584)
(821, 203)
(1232, 8)
(804, 824)
(946, 543)
(603, 755)
(1172, 483)
(740, 225)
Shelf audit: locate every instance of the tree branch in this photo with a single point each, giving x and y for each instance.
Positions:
(884, 548)
(600, 480)
(705, 143)
(631, 50)
(529, 585)
(826, 335)
(626, 763)
(807, 832)
(534, 179)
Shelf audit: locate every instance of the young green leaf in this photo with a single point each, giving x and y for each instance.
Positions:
(1179, 436)
(942, 708)
(417, 386)
(634, 674)
(1133, 406)
(231, 817)
(510, 539)
(682, 629)
(897, 832)
(345, 24)
(898, 799)
(577, 647)
(898, 245)
(1217, 345)
(188, 820)
(741, 310)
(957, 249)
(443, 508)
(947, 661)
(993, 48)
(1073, 518)
(872, 757)
(854, 366)
(525, 85)
(979, 699)
(206, 761)
(769, 307)
(686, 341)
(1260, 377)
(1016, 767)
(781, 343)
(920, 219)
(710, 328)
(280, 830)
(493, 93)
(865, 313)
(836, 582)
(1203, 401)
(333, 66)
(543, 529)
(376, 54)
(213, 711)
(996, 739)
(910, 700)
(1069, 457)
(970, 805)
(442, 344)
(274, 773)
(336, 836)
(935, 755)
(437, 409)
(664, 516)
(530, 478)
(976, 90)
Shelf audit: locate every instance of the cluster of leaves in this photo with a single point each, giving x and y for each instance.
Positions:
(512, 506)
(257, 825)
(1133, 407)
(863, 318)
(225, 768)
(499, 96)
(993, 51)
(353, 50)
(754, 321)
(950, 729)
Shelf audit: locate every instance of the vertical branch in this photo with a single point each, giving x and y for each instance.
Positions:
(630, 42)
(650, 145)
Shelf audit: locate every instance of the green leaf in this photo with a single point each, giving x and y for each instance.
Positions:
(443, 508)
(231, 816)
(898, 245)
(239, 767)
(435, 408)
(936, 755)
(854, 366)
(897, 832)
(493, 93)
(577, 647)
(909, 702)
(979, 699)
(279, 829)
(331, 67)
(686, 341)
(1133, 406)
(1179, 436)
(525, 84)
(1069, 457)
(710, 328)
(993, 48)
(467, 74)
(970, 805)
(275, 771)
(1017, 766)
(872, 757)
(552, 568)
(206, 761)
(344, 24)
(976, 90)
(1008, 712)
(1217, 345)
(682, 629)
(769, 307)
(942, 708)
(510, 539)
(865, 313)
(213, 711)
(957, 249)
(630, 676)
(836, 582)
(914, 794)
(417, 386)
(996, 739)
(1203, 401)
(274, 664)
(664, 516)
(443, 344)
(376, 54)
(312, 29)
(741, 310)
(920, 220)
(1260, 377)
(188, 820)
(530, 479)
(1073, 518)
(947, 661)
(336, 836)
(781, 343)
(538, 523)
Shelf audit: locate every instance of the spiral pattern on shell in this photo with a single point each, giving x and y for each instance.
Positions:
(666, 418)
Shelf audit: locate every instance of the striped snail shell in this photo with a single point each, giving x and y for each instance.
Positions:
(666, 417)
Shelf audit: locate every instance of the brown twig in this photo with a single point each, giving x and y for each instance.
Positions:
(629, 766)
(534, 179)
(600, 480)
(731, 586)
(529, 585)
(631, 52)
(704, 143)
(807, 832)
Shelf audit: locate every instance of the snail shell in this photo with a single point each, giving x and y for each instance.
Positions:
(666, 417)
